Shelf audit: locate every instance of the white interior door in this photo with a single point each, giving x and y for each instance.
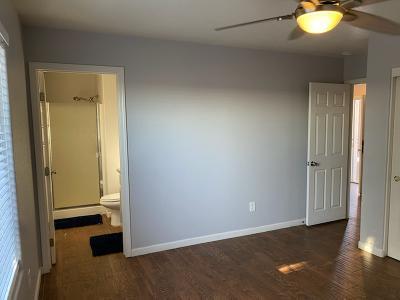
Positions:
(394, 214)
(46, 146)
(328, 142)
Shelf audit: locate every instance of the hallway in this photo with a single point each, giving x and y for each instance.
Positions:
(355, 201)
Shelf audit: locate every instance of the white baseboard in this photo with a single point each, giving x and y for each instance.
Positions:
(78, 212)
(38, 281)
(214, 237)
(370, 248)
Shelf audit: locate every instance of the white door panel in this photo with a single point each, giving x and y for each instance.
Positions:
(328, 133)
(46, 146)
(394, 214)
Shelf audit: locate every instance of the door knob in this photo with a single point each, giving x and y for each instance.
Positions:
(397, 178)
(313, 164)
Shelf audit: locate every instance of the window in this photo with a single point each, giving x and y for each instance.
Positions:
(9, 231)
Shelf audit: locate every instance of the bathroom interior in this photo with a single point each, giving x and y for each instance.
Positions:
(80, 125)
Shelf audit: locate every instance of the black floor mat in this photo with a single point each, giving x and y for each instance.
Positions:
(78, 221)
(106, 244)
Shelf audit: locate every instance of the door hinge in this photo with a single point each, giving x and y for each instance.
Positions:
(42, 97)
(51, 242)
(46, 171)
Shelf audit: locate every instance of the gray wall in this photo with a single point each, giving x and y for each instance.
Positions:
(209, 129)
(355, 67)
(383, 56)
(22, 151)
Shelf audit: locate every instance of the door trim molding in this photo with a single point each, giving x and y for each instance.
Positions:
(395, 75)
(34, 68)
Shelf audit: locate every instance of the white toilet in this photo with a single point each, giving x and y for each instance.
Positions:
(112, 203)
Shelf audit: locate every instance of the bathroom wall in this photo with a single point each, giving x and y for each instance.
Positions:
(73, 139)
(63, 87)
(109, 128)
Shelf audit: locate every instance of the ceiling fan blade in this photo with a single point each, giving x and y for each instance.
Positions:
(280, 18)
(349, 17)
(349, 4)
(374, 23)
(296, 33)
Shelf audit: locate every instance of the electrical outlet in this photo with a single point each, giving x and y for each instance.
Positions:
(252, 206)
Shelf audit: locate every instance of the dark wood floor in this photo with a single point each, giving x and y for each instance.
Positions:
(321, 262)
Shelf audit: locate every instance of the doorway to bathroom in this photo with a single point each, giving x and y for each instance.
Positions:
(81, 158)
(357, 148)
(83, 140)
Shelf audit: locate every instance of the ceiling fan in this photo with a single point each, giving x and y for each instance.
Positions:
(320, 16)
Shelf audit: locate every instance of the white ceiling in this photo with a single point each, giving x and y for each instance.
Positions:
(194, 20)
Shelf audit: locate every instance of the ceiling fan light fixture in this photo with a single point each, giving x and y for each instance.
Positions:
(323, 19)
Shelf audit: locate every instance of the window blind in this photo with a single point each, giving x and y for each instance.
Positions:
(9, 231)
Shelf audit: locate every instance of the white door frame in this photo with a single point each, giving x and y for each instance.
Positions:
(388, 179)
(34, 67)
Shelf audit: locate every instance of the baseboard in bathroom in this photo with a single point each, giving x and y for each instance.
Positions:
(78, 212)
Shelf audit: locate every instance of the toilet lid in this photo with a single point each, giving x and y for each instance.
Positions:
(111, 197)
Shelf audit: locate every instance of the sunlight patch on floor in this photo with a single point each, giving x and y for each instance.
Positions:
(287, 269)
